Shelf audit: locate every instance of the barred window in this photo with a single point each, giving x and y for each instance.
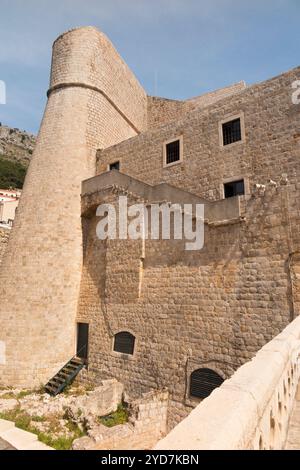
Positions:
(232, 131)
(203, 382)
(124, 342)
(173, 152)
(234, 188)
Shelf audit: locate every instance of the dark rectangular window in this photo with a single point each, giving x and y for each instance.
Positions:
(114, 166)
(124, 342)
(173, 152)
(234, 188)
(232, 131)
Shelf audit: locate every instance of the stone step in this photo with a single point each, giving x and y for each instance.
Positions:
(19, 439)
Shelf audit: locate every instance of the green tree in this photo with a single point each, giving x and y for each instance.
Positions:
(12, 174)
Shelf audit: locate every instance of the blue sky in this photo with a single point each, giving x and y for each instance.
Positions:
(190, 46)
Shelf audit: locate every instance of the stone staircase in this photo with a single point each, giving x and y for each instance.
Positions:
(64, 376)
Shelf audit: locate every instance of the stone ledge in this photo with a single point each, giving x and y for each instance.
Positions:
(19, 439)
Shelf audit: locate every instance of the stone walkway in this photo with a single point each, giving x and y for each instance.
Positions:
(293, 437)
(5, 446)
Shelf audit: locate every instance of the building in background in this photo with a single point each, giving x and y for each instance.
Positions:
(9, 200)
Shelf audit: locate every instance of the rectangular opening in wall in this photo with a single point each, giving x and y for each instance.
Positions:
(232, 131)
(82, 340)
(234, 188)
(173, 152)
(114, 166)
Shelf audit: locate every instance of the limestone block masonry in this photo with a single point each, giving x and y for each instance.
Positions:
(146, 426)
(210, 309)
(94, 101)
(252, 409)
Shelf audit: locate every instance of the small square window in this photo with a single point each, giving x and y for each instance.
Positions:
(173, 152)
(114, 166)
(234, 188)
(232, 131)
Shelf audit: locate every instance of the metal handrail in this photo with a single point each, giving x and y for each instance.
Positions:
(84, 346)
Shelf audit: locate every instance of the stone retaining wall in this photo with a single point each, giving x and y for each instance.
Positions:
(147, 424)
(251, 410)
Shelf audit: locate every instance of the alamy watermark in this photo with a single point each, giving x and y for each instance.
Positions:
(296, 93)
(2, 92)
(152, 221)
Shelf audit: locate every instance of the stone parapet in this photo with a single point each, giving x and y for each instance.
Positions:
(251, 410)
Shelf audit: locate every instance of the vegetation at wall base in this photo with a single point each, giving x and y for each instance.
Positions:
(118, 417)
(26, 422)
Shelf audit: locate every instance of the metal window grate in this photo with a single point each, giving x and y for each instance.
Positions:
(232, 132)
(203, 382)
(124, 342)
(173, 152)
(114, 166)
(234, 188)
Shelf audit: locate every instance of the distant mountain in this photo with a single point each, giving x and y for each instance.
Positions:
(16, 148)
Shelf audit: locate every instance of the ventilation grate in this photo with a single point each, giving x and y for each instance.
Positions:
(124, 342)
(203, 382)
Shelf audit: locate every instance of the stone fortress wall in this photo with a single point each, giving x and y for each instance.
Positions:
(162, 110)
(94, 102)
(214, 308)
(256, 409)
(270, 148)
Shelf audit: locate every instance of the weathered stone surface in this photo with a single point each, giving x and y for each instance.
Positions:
(100, 402)
(4, 235)
(217, 307)
(293, 436)
(256, 409)
(147, 424)
(94, 102)
(7, 404)
(5, 445)
(214, 308)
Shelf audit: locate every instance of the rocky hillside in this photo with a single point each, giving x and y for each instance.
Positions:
(16, 145)
(16, 148)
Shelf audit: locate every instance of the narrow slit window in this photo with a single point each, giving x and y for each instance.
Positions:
(232, 131)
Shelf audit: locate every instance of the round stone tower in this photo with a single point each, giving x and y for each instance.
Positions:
(94, 101)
